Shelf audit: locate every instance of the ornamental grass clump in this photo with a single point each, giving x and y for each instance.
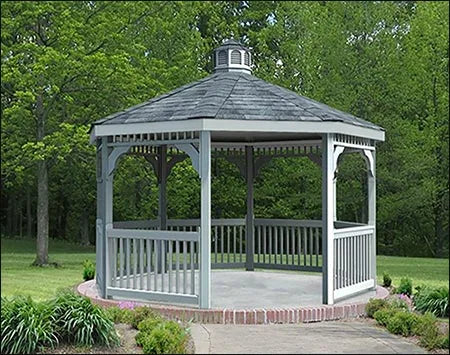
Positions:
(26, 326)
(82, 323)
(434, 300)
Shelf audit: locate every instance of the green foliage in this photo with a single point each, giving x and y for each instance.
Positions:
(402, 322)
(80, 322)
(141, 313)
(92, 59)
(407, 323)
(88, 270)
(145, 327)
(405, 286)
(431, 338)
(426, 321)
(387, 281)
(398, 304)
(383, 315)
(434, 300)
(26, 326)
(118, 315)
(165, 338)
(374, 305)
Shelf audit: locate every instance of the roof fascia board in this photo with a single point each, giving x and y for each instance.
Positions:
(237, 126)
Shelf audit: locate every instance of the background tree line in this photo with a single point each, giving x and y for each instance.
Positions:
(66, 64)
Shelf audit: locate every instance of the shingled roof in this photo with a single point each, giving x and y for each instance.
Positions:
(232, 96)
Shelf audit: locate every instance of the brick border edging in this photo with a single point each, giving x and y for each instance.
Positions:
(249, 316)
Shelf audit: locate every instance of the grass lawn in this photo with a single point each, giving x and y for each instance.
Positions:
(19, 278)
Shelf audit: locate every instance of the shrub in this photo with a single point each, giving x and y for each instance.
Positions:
(81, 322)
(432, 339)
(428, 320)
(402, 323)
(166, 338)
(405, 286)
(374, 305)
(88, 270)
(141, 313)
(387, 281)
(383, 315)
(120, 315)
(434, 300)
(145, 327)
(26, 326)
(401, 303)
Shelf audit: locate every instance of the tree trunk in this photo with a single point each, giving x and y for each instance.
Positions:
(42, 215)
(29, 217)
(42, 200)
(439, 233)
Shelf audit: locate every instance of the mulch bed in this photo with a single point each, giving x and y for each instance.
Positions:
(127, 345)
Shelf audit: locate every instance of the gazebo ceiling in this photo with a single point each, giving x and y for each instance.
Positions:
(232, 99)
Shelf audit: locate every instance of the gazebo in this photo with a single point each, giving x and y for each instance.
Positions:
(234, 115)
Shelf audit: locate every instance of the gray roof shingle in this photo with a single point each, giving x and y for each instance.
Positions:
(233, 96)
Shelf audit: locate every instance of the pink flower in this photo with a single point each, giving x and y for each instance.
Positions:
(127, 305)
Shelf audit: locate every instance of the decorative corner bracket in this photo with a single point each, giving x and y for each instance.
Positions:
(193, 153)
(115, 154)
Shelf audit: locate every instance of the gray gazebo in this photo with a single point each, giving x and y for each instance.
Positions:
(234, 115)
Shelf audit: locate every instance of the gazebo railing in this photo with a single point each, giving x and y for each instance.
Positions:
(153, 265)
(354, 254)
(288, 244)
(278, 243)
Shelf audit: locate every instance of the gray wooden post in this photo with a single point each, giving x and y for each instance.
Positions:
(162, 201)
(335, 199)
(371, 211)
(162, 175)
(249, 223)
(327, 218)
(104, 214)
(205, 220)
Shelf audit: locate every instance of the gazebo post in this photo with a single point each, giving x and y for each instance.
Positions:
(162, 200)
(205, 220)
(371, 212)
(328, 201)
(250, 221)
(104, 213)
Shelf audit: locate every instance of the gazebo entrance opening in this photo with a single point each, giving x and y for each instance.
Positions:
(248, 121)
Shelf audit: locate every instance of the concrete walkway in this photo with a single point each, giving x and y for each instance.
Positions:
(352, 337)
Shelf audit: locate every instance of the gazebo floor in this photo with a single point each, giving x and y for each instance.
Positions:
(243, 297)
(270, 289)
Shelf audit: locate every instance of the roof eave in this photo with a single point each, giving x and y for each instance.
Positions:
(224, 125)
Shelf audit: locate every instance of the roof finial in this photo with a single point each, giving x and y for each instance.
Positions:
(232, 56)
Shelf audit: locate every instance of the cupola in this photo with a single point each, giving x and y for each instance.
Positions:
(232, 56)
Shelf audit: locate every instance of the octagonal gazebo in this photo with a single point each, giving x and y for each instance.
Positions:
(248, 121)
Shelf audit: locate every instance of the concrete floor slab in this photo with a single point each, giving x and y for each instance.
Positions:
(312, 338)
(270, 289)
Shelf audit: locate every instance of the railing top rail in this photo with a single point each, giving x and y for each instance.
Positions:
(288, 222)
(353, 231)
(345, 224)
(152, 234)
(219, 222)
